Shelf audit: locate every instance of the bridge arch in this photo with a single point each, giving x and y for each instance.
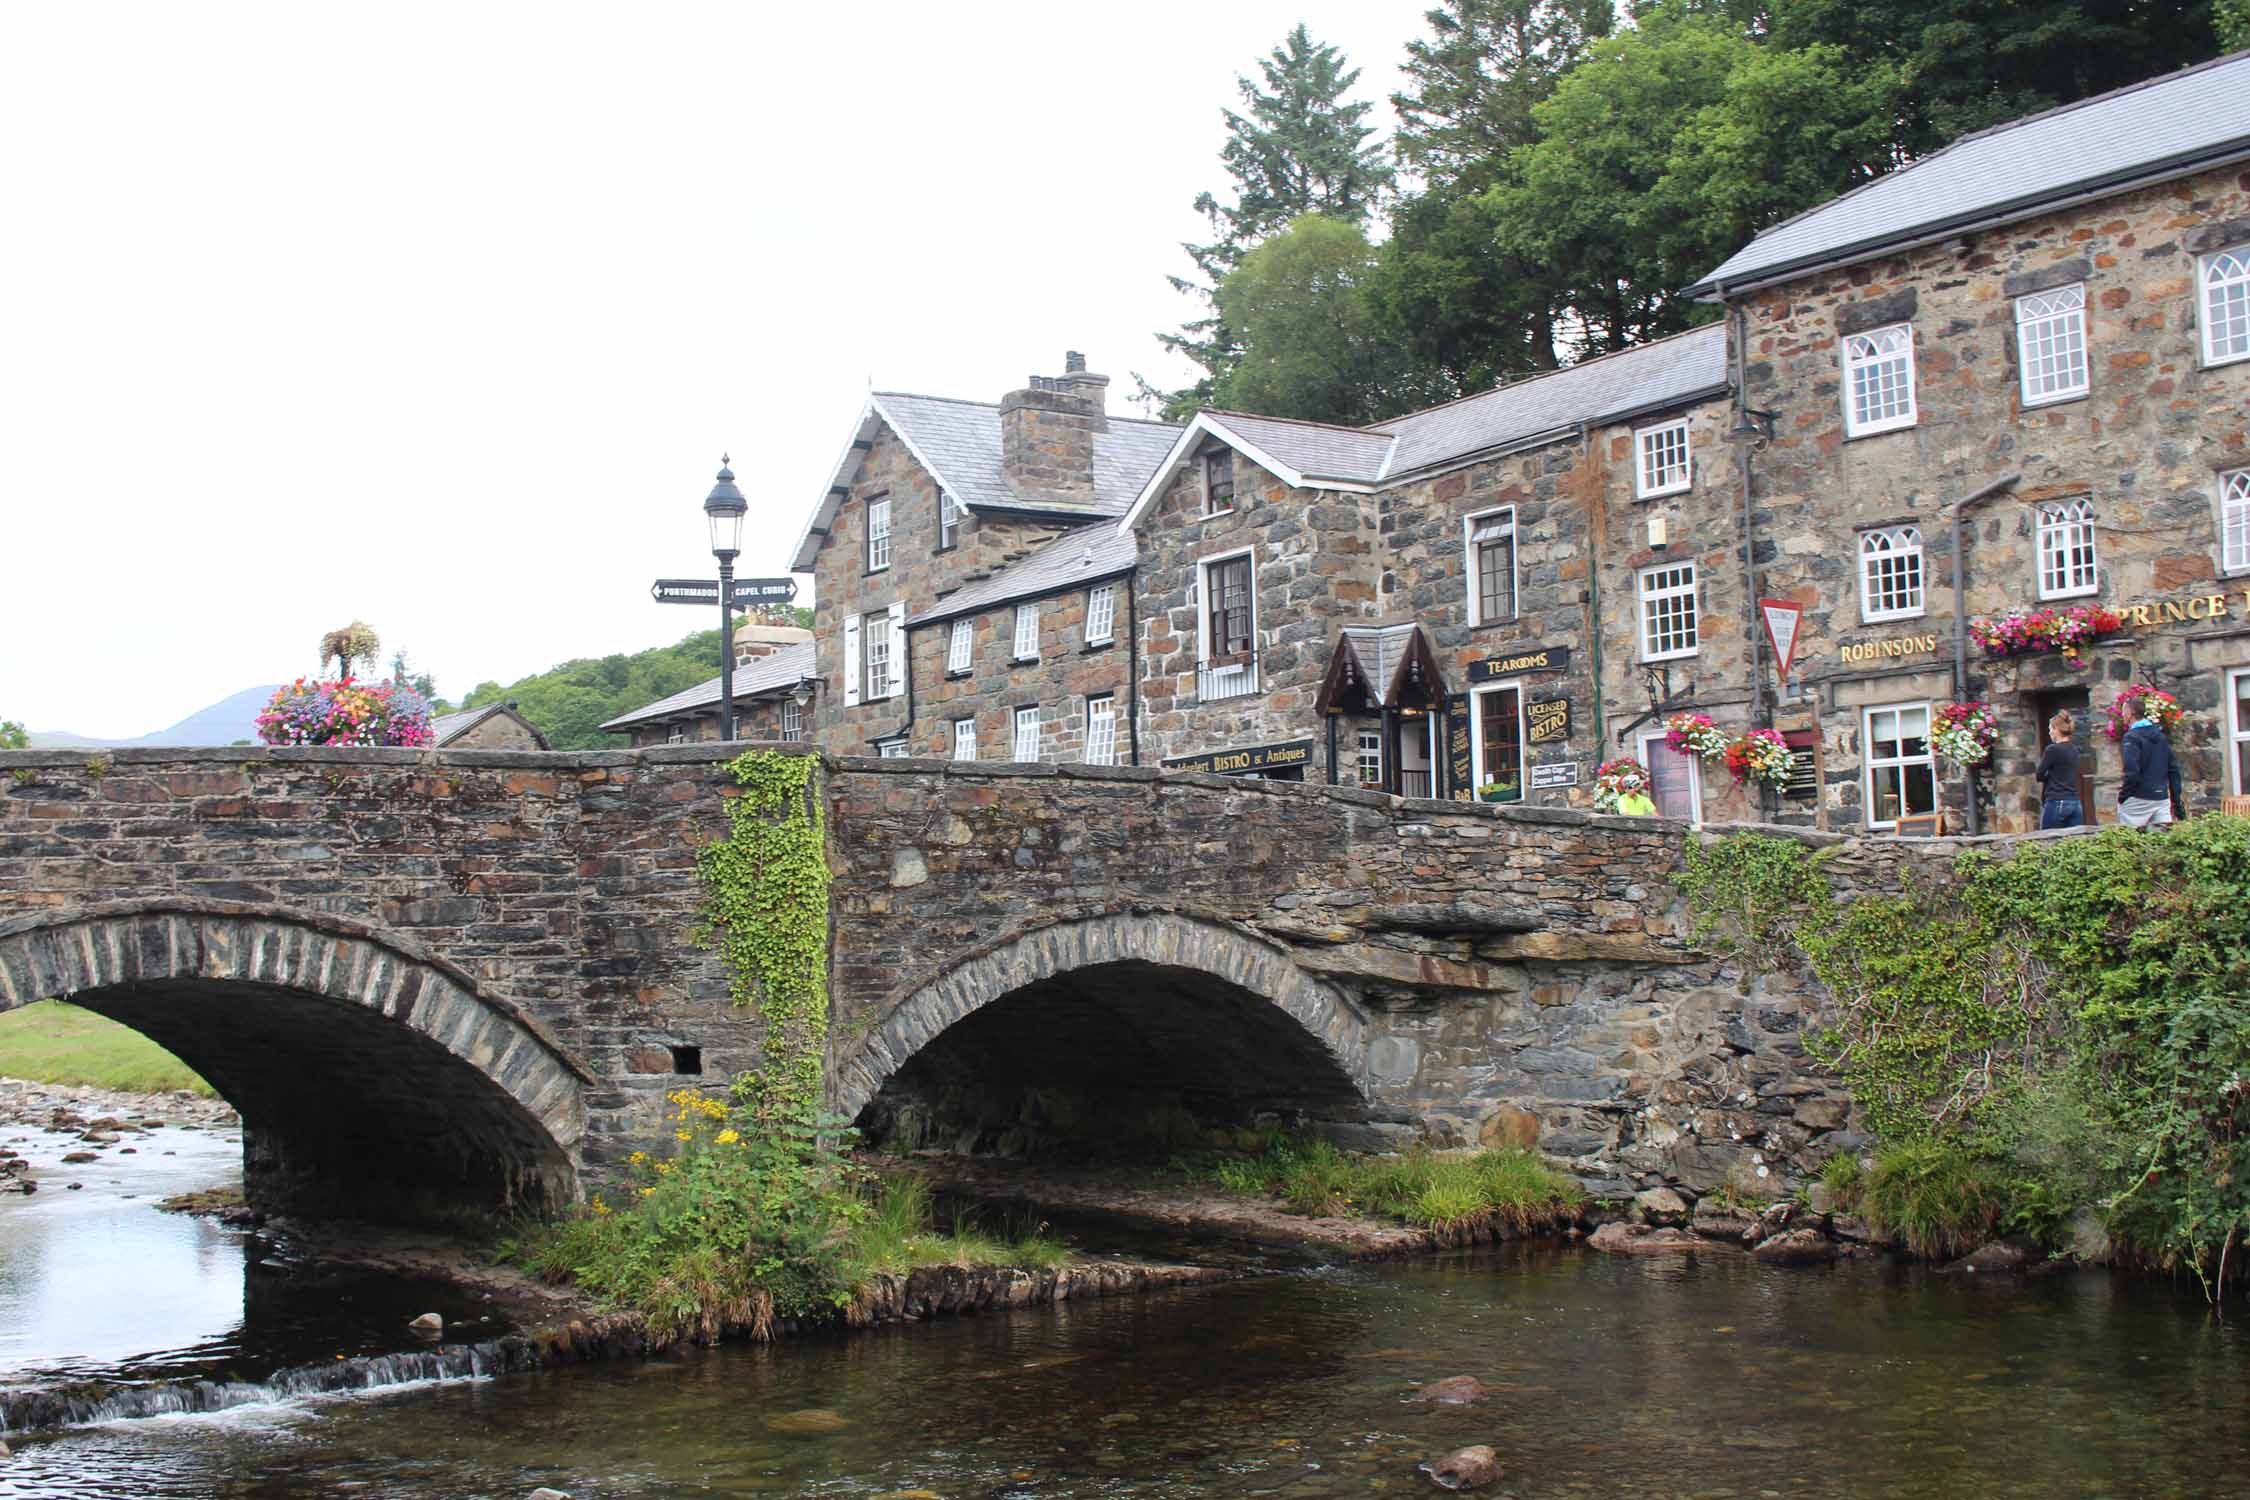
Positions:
(1214, 1018)
(374, 1080)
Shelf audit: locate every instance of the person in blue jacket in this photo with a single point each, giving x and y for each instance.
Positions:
(2152, 776)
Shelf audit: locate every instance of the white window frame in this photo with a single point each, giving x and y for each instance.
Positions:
(2236, 735)
(2050, 329)
(1651, 746)
(1101, 614)
(792, 719)
(1655, 472)
(1024, 719)
(1369, 756)
(1210, 505)
(1478, 773)
(1242, 677)
(2234, 521)
(1026, 646)
(965, 738)
(878, 535)
(1101, 747)
(1867, 351)
(2223, 274)
(2059, 523)
(1868, 764)
(874, 632)
(1470, 526)
(1895, 545)
(960, 645)
(894, 749)
(1644, 597)
(948, 522)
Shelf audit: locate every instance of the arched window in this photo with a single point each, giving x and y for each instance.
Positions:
(2234, 520)
(2226, 306)
(2066, 549)
(1890, 573)
(1879, 380)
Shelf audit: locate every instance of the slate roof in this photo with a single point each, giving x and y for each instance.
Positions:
(1609, 388)
(1074, 558)
(446, 728)
(753, 678)
(2163, 127)
(1315, 450)
(1380, 649)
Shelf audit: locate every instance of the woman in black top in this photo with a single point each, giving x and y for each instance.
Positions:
(2059, 806)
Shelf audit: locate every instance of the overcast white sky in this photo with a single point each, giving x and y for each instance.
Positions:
(440, 316)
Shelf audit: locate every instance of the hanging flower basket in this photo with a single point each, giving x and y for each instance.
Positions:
(344, 712)
(1966, 732)
(1695, 734)
(2140, 701)
(1616, 779)
(1761, 755)
(2023, 633)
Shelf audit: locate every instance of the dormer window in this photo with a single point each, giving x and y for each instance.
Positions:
(948, 522)
(1218, 481)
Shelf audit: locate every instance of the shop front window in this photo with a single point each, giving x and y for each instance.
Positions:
(1901, 774)
(1498, 712)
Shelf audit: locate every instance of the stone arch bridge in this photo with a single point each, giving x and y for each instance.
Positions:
(437, 982)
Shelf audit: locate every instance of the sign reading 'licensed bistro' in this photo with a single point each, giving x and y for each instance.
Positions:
(1246, 760)
(1517, 663)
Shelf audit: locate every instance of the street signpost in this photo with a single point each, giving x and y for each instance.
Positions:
(749, 593)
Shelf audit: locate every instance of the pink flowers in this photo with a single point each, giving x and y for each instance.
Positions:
(1695, 734)
(2018, 633)
(1760, 755)
(2140, 701)
(1966, 732)
(344, 712)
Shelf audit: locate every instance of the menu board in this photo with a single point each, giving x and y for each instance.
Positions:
(1460, 759)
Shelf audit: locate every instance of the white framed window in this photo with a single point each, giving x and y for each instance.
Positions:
(1660, 460)
(1371, 757)
(677, 735)
(1027, 632)
(1226, 634)
(960, 641)
(878, 535)
(1675, 781)
(948, 521)
(2066, 550)
(1101, 730)
(1218, 481)
(875, 653)
(2051, 344)
(965, 739)
(2234, 521)
(1901, 774)
(892, 749)
(1496, 741)
(1879, 380)
(1668, 624)
(2238, 730)
(792, 720)
(1101, 614)
(1027, 733)
(1890, 573)
(2225, 282)
(1490, 539)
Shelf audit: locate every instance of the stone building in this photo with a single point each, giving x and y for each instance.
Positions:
(2050, 319)
(497, 726)
(2059, 307)
(773, 695)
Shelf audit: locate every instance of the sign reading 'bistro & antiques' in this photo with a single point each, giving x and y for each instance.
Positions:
(1549, 722)
(1248, 760)
(1516, 663)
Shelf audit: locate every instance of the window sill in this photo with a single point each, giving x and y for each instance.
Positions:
(1907, 614)
(2220, 364)
(1650, 661)
(1023, 661)
(1512, 622)
(2091, 593)
(2072, 399)
(1664, 494)
(1093, 646)
(1876, 432)
(958, 674)
(1213, 515)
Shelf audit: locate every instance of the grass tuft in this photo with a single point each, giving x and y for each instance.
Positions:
(1942, 1201)
(1510, 1188)
(53, 1041)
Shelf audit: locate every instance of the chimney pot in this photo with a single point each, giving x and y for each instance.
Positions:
(1074, 363)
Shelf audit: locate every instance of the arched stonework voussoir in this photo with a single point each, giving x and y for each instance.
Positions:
(142, 947)
(1163, 939)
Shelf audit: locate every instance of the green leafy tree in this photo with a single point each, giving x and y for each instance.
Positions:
(12, 736)
(570, 702)
(1972, 63)
(1298, 147)
(1313, 344)
(1669, 148)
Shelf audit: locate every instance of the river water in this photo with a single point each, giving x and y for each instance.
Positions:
(1661, 1378)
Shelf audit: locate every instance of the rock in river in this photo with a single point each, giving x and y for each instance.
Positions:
(1467, 1469)
(807, 1422)
(1797, 1247)
(428, 1323)
(1638, 1239)
(1454, 1390)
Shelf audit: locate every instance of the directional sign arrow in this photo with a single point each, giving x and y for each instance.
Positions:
(764, 590)
(705, 591)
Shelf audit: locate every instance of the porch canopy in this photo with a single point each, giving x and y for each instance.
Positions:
(1381, 667)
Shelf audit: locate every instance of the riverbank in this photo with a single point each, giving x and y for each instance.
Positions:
(100, 1123)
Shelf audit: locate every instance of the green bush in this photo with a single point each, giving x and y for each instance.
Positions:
(1940, 1200)
(1510, 1187)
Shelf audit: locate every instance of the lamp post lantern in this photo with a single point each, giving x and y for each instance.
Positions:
(724, 508)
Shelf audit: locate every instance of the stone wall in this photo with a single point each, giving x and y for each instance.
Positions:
(1066, 671)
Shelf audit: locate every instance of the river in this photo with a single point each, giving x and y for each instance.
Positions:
(1661, 1378)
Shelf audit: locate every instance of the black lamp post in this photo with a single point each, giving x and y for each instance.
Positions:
(724, 508)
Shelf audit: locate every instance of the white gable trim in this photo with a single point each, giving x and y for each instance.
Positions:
(1206, 424)
(871, 416)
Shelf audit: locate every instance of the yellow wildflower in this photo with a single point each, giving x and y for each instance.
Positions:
(729, 1137)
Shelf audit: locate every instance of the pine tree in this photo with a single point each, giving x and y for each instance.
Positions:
(1298, 147)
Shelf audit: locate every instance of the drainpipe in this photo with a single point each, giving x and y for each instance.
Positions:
(1133, 662)
(1597, 521)
(1738, 333)
(1961, 613)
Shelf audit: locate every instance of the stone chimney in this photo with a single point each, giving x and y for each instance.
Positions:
(1047, 432)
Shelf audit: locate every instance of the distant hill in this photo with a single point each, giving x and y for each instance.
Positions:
(232, 718)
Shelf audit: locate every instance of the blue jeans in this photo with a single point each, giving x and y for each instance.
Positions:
(2062, 812)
